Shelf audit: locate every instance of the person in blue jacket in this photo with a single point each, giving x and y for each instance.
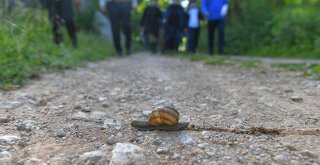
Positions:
(215, 11)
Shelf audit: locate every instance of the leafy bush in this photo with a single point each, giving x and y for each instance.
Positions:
(27, 48)
(271, 28)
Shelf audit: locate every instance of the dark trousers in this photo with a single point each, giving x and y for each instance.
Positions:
(212, 26)
(173, 37)
(192, 39)
(10, 6)
(119, 14)
(70, 28)
(60, 13)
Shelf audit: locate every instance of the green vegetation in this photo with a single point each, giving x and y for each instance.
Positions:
(312, 71)
(27, 48)
(274, 28)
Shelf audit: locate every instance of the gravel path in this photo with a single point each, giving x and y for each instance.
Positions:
(83, 116)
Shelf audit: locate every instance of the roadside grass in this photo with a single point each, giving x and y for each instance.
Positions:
(27, 49)
(305, 70)
(215, 60)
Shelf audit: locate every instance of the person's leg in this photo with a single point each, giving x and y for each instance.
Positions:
(11, 6)
(212, 26)
(57, 36)
(115, 26)
(72, 32)
(57, 21)
(196, 38)
(177, 39)
(210, 36)
(126, 23)
(188, 44)
(221, 36)
(67, 16)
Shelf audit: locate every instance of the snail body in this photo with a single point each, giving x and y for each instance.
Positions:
(166, 115)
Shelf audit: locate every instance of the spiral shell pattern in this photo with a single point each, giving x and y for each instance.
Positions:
(166, 115)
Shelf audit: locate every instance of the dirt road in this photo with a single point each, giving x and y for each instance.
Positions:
(83, 116)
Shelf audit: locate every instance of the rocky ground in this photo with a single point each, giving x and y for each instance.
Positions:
(83, 116)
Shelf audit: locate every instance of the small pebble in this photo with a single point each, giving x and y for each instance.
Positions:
(296, 99)
(163, 150)
(61, 133)
(310, 154)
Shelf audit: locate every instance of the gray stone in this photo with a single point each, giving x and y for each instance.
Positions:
(203, 145)
(214, 151)
(61, 133)
(111, 123)
(83, 106)
(59, 160)
(98, 115)
(34, 161)
(27, 125)
(281, 159)
(241, 159)
(112, 140)
(126, 153)
(105, 104)
(80, 116)
(92, 158)
(5, 158)
(4, 120)
(163, 150)
(291, 148)
(8, 139)
(102, 99)
(157, 142)
(310, 154)
(86, 109)
(185, 139)
(205, 134)
(176, 156)
(146, 113)
(4, 154)
(296, 98)
(288, 91)
(21, 162)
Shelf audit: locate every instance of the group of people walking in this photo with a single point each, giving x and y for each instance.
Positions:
(166, 29)
(158, 28)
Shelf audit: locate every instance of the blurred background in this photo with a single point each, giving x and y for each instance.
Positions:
(273, 28)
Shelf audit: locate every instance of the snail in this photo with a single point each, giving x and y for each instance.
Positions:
(161, 118)
(166, 115)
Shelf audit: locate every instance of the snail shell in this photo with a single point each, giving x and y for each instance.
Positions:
(166, 115)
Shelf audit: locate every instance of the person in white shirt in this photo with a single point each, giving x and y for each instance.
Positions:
(119, 12)
(193, 30)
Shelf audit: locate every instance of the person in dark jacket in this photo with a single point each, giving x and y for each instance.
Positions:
(61, 12)
(174, 25)
(193, 26)
(215, 11)
(151, 24)
(119, 12)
